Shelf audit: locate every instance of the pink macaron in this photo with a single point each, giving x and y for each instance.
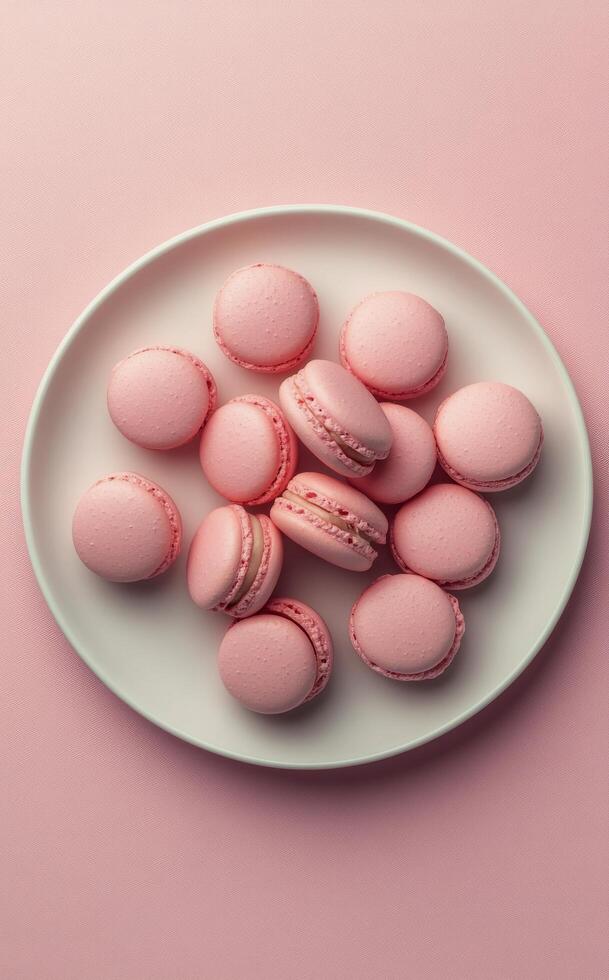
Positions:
(265, 318)
(406, 628)
(489, 436)
(248, 451)
(396, 343)
(126, 528)
(277, 660)
(234, 561)
(332, 520)
(410, 463)
(160, 397)
(448, 534)
(336, 417)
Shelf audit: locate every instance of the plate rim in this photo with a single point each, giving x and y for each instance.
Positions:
(251, 215)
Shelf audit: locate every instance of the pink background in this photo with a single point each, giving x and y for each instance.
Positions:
(126, 854)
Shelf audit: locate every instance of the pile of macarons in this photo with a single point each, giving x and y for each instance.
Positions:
(444, 536)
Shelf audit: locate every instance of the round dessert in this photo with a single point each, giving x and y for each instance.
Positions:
(234, 561)
(336, 418)
(406, 628)
(160, 397)
(265, 318)
(126, 528)
(332, 520)
(277, 660)
(448, 534)
(489, 436)
(396, 343)
(248, 451)
(410, 463)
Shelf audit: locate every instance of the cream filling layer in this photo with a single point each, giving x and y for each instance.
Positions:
(327, 516)
(254, 563)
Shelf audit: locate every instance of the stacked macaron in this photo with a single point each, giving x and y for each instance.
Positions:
(277, 653)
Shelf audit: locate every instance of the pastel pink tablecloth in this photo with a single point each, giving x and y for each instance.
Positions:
(126, 855)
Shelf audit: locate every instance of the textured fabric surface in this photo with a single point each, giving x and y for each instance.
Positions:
(124, 853)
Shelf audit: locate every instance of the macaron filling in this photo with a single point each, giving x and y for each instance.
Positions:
(423, 675)
(355, 456)
(317, 637)
(247, 544)
(330, 517)
(326, 523)
(254, 561)
(482, 485)
(253, 566)
(259, 566)
(342, 515)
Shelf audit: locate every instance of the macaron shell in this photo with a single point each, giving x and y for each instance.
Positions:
(268, 573)
(265, 317)
(248, 452)
(318, 633)
(448, 534)
(411, 461)
(350, 407)
(344, 501)
(440, 667)
(217, 554)
(267, 663)
(126, 528)
(313, 435)
(405, 627)
(319, 537)
(159, 397)
(396, 343)
(489, 436)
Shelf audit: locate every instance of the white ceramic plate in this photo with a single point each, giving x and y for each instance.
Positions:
(148, 642)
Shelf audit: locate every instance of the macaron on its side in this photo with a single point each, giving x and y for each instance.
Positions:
(306, 418)
(406, 628)
(160, 397)
(126, 528)
(265, 318)
(336, 417)
(278, 660)
(248, 451)
(234, 561)
(331, 520)
(265, 576)
(489, 436)
(219, 557)
(396, 344)
(317, 632)
(448, 534)
(410, 463)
